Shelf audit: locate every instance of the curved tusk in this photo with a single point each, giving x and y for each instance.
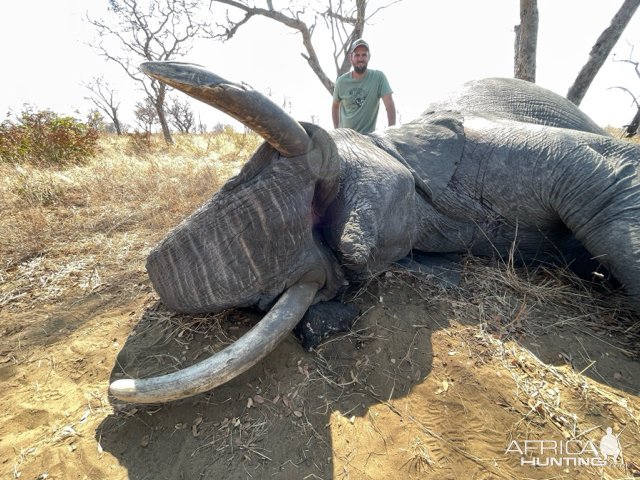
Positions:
(228, 363)
(246, 105)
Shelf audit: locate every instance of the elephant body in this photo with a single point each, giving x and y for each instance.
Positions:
(493, 181)
(503, 166)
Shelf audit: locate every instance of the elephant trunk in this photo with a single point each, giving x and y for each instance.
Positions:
(598, 198)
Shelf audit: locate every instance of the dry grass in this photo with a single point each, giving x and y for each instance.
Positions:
(620, 133)
(91, 226)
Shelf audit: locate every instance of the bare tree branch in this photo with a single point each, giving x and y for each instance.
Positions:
(631, 94)
(181, 115)
(152, 30)
(380, 8)
(345, 20)
(103, 97)
(636, 65)
(631, 128)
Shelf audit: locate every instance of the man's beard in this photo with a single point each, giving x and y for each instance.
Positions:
(360, 69)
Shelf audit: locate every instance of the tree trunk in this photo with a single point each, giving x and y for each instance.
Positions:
(632, 128)
(165, 126)
(526, 42)
(162, 118)
(600, 51)
(116, 121)
(356, 33)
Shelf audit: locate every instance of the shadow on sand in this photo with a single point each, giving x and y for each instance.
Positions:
(280, 419)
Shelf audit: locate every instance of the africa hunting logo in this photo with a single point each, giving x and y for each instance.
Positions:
(569, 453)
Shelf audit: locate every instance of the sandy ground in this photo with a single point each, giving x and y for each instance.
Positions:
(430, 383)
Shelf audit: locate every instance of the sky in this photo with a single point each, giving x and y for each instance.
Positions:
(425, 47)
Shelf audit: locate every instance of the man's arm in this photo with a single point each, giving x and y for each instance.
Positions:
(335, 113)
(390, 105)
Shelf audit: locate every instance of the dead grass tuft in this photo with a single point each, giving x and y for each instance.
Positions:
(91, 225)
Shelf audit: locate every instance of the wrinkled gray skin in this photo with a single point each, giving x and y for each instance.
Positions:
(501, 161)
(464, 177)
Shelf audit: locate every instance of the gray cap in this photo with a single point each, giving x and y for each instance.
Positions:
(359, 43)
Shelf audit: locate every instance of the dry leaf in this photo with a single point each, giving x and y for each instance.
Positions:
(297, 413)
(194, 427)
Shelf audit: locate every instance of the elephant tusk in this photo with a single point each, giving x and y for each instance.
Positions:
(229, 362)
(246, 105)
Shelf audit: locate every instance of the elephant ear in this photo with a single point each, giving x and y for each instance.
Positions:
(430, 147)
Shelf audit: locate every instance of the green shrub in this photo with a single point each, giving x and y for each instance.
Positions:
(45, 138)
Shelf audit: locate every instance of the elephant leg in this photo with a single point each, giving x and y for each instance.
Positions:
(599, 201)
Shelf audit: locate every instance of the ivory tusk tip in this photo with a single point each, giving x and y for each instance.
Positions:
(123, 389)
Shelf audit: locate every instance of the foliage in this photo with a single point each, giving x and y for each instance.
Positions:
(45, 138)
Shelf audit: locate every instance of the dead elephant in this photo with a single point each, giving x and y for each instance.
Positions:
(501, 163)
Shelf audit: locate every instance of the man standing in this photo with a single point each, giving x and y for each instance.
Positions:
(357, 94)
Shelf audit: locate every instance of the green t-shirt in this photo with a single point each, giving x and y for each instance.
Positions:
(359, 99)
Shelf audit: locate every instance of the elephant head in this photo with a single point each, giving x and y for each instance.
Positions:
(281, 231)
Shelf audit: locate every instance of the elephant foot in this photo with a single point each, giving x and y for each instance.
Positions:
(323, 319)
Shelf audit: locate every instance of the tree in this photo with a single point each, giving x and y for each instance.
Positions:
(149, 30)
(600, 51)
(631, 128)
(344, 19)
(146, 114)
(526, 41)
(95, 120)
(104, 98)
(181, 115)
